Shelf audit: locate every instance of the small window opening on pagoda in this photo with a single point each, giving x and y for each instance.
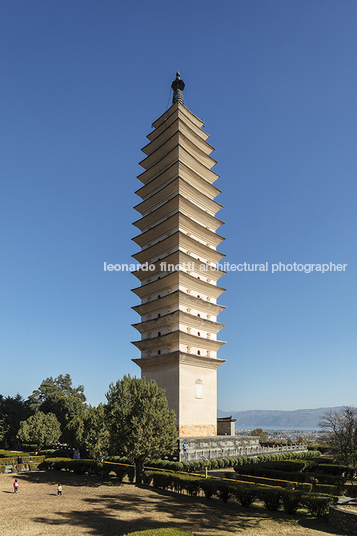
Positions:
(198, 352)
(159, 334)
(158, 352)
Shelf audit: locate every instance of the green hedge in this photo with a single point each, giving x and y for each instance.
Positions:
(26, 459)
(287, 484)
(331, 469)
(272, 497)
(263, 470)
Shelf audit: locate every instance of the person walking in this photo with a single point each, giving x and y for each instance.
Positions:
(59, 490)
(16, 485)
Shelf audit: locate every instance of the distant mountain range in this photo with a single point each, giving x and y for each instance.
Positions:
(299, 419)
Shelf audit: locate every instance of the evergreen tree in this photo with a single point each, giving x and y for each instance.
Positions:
(89, 432)
(58, 396)
(44, 430)
(140, 424)
(13, 410)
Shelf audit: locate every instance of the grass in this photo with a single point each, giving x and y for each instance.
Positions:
(161, 532)
(92, 506)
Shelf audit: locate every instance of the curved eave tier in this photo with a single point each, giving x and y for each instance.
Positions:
(178, 169)
(199, 152)
(165, 117)
(178, 204)
(178, 186)
(178, 153)
(179, 299)
(187, 129)
(177, 241)
(165, 284)
(187, 264)
(171, 225)
(179, 317)
(178, 337)
(179, 358)
(178, 112)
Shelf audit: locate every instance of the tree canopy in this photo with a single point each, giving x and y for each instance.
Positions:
(58, 396)
(341, 427)
(139, 422)
(258, 432)
(89, 431)
(13, 410)
(44, 430)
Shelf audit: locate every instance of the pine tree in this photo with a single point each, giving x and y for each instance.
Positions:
(141, 426)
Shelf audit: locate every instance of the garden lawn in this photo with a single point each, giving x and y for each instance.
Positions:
(93, 506)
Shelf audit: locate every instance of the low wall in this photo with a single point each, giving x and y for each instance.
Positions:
(215, 447)
(343, 519)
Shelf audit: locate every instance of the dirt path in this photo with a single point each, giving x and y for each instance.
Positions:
(107, 508)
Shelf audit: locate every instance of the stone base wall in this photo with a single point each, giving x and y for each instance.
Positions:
(197, 430)
(342, 519)
(227, 447)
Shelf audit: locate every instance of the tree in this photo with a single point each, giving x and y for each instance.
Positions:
(302, 440)
(341, 427)
(58, 396)
(41, 429)
(13, 410)
(258, 432)
(89, 431)
(141, 426)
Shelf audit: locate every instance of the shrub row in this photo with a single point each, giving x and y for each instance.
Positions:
(26, 459)
(288, 484)
(245, 494)
(197, 465)
(57, 453)
(332, 469)
(264, 470)
(91, 467)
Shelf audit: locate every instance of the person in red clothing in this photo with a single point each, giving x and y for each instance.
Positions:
(16, 486)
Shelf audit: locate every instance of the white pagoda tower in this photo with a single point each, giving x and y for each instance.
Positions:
(178, 276)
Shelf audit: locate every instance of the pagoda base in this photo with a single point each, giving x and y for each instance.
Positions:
(213, 448)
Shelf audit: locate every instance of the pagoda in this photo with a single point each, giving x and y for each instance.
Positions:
(178, 277)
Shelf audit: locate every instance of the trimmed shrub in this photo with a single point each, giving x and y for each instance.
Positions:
(223, 493)
(33, 466)
(178, 466)
(317, 505)
(291, 501)
(328, 490)
(209, 488)
(245, 494)
(271, 497)
(130, 472)
(304, 487)
(331, 469)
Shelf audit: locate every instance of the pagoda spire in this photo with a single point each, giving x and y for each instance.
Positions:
(177, 87)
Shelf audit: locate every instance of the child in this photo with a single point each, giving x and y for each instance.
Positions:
(16, 486)
(59, 490)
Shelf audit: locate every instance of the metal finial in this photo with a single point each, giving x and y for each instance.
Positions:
(177, 86)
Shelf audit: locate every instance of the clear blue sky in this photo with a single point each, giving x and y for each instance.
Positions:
(276, 84)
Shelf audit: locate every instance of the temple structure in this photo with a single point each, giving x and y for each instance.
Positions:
(178, 254)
